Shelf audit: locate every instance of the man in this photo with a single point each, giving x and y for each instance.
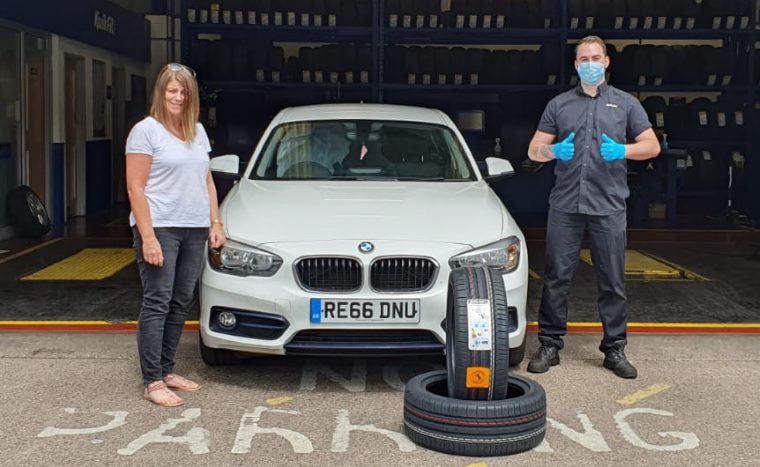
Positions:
(593, 124)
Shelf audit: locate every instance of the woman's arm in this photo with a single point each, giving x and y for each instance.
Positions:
(216, 234)
(138, 169)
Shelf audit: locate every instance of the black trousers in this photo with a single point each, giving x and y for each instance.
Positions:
(564, 235)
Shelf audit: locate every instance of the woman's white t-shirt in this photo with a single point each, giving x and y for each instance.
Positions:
(176, 187)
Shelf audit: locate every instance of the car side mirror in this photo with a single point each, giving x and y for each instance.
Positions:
(497, 169)
(225, 170)
(228, 163)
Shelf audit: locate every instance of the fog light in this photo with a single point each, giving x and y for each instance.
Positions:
(227, 320)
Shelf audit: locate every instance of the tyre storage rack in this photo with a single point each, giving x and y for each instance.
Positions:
(382, 28)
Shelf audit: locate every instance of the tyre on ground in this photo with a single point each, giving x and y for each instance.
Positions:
(474, 428)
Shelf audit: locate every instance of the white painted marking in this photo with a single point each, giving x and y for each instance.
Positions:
(70, 410)
(543, 447)
(393, 378)
(690, 440)
(589, 438)
(342, 435)
(119, 419)
(249, 427)
(96, 441)
(312, 368)
(196, 439)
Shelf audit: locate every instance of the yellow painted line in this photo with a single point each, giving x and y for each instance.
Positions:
(29, 250)
(638, 264)
(78, 326)
(687, 274)
(478, 464)
(279, 400)
(665, 328)
(580, 324)
(90, 264)
(698, 325)
(643, 394)
(533, 274)
(76, 323)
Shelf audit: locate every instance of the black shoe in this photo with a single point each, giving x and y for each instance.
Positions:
(545, 357)
(614, 359)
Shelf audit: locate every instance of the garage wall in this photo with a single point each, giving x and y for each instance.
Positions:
(94, 164)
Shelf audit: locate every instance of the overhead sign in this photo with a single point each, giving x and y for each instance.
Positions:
(99, 23)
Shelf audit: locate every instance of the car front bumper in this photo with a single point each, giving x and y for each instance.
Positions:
(277, 309)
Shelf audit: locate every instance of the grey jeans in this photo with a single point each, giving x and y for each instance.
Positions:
(168, 295)
(564, 235)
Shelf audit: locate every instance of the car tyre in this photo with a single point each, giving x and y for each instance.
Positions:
(517, 354)
(467, 285)
(217, 357)
(27, 212)
(474, 428)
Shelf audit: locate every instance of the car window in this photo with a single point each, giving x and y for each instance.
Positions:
(360, 150)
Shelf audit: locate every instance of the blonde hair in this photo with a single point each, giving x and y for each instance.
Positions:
(591, 40)
(191, 108)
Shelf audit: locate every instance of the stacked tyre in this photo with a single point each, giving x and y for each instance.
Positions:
(475, 407)
(27, 212)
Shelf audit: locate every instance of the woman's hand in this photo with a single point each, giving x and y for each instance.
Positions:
(216, 236)
(152, 253)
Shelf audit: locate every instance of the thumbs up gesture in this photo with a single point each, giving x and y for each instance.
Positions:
(565, 149)
(612, 151)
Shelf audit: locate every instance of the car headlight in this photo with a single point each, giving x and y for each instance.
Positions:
(242, 260)
(504, 255)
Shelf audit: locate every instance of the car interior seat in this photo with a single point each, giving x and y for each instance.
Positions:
(364, 155)
(412, 154)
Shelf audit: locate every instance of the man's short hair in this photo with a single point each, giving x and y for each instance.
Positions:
(591, 40)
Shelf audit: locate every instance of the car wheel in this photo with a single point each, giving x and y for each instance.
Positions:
(216, 357)
(517, 354)
(27, 212)
(474, 428)
(478, 366)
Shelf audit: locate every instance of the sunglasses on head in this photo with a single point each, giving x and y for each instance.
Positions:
(179, 67)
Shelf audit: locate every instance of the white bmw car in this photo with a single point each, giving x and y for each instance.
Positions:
(342, 231)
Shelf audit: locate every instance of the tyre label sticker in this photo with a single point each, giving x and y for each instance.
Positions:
(479, 324)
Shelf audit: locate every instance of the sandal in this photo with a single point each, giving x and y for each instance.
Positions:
(180, 383)
(159, 394)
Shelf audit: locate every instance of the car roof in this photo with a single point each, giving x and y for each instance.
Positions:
(362, 112)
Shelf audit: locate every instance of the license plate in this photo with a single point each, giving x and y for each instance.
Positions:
(364, 311)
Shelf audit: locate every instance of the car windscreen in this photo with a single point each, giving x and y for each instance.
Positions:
(362, 150)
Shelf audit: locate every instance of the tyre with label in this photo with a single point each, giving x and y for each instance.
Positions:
(27, 212)
(474, 427)
(477, 334)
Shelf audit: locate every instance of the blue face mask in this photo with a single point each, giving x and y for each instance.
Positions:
(591, 73)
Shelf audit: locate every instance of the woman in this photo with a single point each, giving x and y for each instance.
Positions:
(173, 202)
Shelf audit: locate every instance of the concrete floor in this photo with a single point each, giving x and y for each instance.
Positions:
(74, 399)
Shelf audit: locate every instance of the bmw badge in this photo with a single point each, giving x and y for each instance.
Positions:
(366, 247)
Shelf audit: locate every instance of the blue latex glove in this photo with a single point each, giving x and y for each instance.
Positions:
(565, 149)
(612, 151)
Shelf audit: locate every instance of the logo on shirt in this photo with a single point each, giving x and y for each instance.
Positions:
(612, 105)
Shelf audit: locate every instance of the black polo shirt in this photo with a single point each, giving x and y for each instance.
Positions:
(588, 184)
